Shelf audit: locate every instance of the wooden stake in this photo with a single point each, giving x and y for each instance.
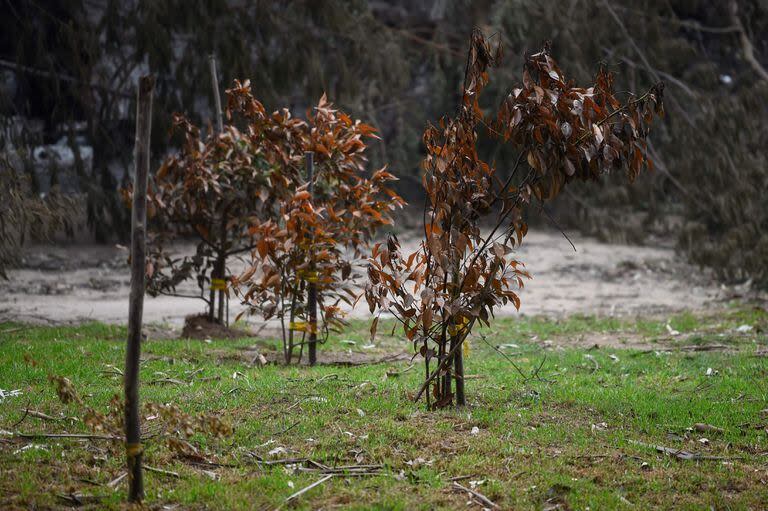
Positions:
(216, 97)
(133, 448)
(312, 286)
(220, 267)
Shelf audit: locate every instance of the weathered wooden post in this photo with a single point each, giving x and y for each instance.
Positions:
(133, 448)
(312, 277)
(217, 281)
(216, 97)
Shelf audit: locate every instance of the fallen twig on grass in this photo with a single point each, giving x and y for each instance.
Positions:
(111, 370)
(704, 347)
(395, 357)
(43, 416)
(681, 454)
(26, 412)
(90, 481)
(192, 374)
(394, 373)
(161, 471)
(345, 470)
(461, 478)
(82, 436)
(485, 501)
(707, 428)
(199, 461)
(307, 488)
(284, 461)
(78, 499)
(286, 430)
(648, 352)
(172, 381)
(114, 483)
(308, 465)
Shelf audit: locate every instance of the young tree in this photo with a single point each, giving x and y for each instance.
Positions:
(213, 190)
(311, 247)
(25, 215)
(461, 273)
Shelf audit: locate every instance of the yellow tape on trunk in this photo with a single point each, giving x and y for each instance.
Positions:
(309, 276)
(303, 326)
(133, 449)
(218, 284)
(459, 328)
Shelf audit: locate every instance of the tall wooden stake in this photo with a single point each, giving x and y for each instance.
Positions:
(133, 448)
(312, 288)
(216, 97)
(220, 267)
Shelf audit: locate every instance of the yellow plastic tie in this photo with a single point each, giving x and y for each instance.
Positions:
(459, 328)
(218, 284)
(465, 348)
(133, 450)
(303, 326)
(298, 326)
(309, 276)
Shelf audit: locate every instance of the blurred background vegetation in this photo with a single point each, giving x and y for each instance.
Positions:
(68, 70)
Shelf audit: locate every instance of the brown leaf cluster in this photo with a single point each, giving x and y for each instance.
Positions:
(462, 273)
(320, 228)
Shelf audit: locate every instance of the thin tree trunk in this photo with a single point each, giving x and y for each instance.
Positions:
(212, 295)
(440, 383)
(312, 288)
(458, 364)
(221, 271)
(212, 298)
(426, 367)
(221, 264)
(291, 326)
(448, 377)
(312, 302)
(133, 448)
(458, 357)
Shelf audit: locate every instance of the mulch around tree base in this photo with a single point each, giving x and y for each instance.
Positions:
(198, 327)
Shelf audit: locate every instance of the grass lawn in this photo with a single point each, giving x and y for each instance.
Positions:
(574, 428)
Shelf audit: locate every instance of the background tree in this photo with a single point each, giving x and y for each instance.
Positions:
(26, 215)
(395, 63)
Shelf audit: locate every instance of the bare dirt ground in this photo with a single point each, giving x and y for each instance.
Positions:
(72, 284)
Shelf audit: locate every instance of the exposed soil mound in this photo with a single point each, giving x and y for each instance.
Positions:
(197, 326)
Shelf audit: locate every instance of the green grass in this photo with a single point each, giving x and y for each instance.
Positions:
(565, 434)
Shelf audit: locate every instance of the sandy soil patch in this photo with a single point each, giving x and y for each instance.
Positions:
(71, 284)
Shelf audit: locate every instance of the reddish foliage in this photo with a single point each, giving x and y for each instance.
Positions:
(212, 190)
(315, 237)
(244, 191)
(461, 275)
